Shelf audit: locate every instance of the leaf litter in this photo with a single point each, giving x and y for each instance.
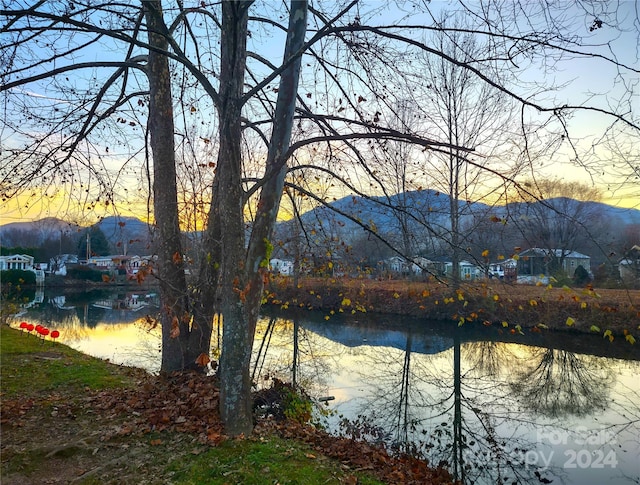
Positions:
(130, 435)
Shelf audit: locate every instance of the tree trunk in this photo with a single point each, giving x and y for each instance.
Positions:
(235, 359)
(170, 269)
(242, 284)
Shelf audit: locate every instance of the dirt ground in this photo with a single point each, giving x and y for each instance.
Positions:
(128, 436)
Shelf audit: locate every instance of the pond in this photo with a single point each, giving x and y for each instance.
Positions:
(492, 406)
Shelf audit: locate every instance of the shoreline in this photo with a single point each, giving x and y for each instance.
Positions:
(514, 308)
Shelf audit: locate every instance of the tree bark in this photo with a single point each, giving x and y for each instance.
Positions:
(242, 284)
(235, 382)
(169, 268)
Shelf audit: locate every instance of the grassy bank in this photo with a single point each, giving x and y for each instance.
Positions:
(612, 313)
(70, 418)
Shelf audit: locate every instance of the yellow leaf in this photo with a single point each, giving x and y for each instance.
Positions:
(346, 302)
(583, 305)
(485, 253)
(496, 297)
(594, 328)
(395, 295)
(505, 324)
(629, 338)
(570, 321)
(607, 333)
(542, 325)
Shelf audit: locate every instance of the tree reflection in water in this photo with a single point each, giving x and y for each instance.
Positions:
(477, 406)
(558, 383)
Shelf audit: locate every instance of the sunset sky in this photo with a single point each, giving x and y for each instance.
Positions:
(595, 82)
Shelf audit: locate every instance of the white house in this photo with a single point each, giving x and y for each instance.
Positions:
(468, 271)
(395, 264)
(282, 266)
(103, 262)
(16, 261)
(21, 262)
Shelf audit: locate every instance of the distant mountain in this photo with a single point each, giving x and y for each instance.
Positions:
(425, 217)
(33, 234)
(434, 207)
(414, 208)
(119, 231)
(617, 215)
(614, 215)
(423, 212)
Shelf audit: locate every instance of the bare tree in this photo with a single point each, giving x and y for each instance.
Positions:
(557, 217)
(89, 87)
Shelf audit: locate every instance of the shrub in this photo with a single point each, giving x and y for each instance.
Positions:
(17, 277)
(581, 276)
(84, 273)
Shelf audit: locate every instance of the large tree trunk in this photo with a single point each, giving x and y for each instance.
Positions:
(235, 383)
(242, 284)
(177, 354)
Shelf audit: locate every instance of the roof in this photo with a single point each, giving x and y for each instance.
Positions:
(558, 253)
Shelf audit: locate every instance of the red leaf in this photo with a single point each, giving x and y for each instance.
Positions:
(203, 359)
(175, 328)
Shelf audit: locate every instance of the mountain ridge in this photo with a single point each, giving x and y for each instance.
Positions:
(426, 206)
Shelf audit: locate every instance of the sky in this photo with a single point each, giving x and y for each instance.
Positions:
(587, 81)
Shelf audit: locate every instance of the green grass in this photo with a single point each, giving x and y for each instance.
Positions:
(259, 462)
(50, 374)
(31, 365)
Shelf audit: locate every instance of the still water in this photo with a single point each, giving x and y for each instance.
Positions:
(493, 407)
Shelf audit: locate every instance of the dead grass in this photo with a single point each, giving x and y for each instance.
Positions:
(489, 302)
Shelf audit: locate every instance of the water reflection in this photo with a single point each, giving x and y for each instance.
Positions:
(557, 383)
(491, 411)
(493, 407)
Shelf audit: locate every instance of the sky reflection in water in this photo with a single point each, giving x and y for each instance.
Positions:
(489, 409)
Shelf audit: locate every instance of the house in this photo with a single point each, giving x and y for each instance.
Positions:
(16, 261)
(505, 269)
(468, 271)
(629, 266)
(58, 264)
(22, 262)
(395, 264)
(282, 266)
(420, 266)
(133, 264)
(443, 265)
(415, 266)
(537, 264)
(105, 262)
